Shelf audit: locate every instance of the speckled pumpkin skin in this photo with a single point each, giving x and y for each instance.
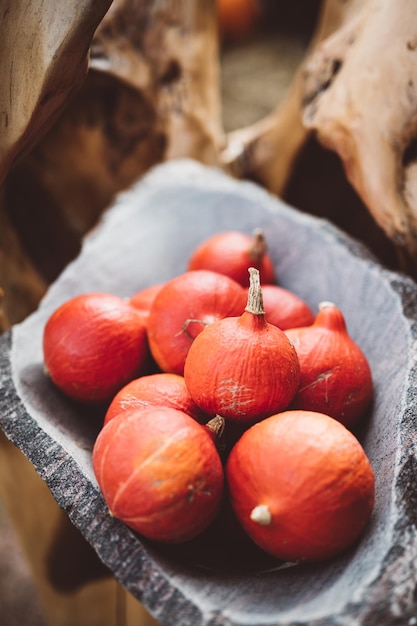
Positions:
(163, 389)
(314, 477)
(230, 253)
(183, 308)
(159, 472)
(94, 344)
(335, 376)
(242, 368)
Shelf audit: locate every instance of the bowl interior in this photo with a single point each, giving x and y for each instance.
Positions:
(147, 237)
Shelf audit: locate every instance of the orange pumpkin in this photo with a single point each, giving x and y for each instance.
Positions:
(159, 472)
(242, 368)
(238, 18)
(94, 344)
(142, 300)
(162, 389)
(335, 376)
(285, 309)
(232, 253)
(301, 486)
(184, 306)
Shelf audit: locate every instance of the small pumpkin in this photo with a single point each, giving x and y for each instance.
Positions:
(184, 306)
(94, 344)
(301, 486)
(335, 375)
(232, 253)
(238, 18)
(285, 309)
(242, 368)
(142, 300)
(163, 389)
(159, 472)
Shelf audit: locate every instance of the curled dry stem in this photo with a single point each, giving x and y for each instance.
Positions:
(186, 324)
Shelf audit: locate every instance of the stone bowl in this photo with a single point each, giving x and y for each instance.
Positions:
(218, 579)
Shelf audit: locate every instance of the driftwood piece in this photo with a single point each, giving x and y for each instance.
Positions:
(35, 516)
(357, 95)
(151, 94)
(168, 53)
(21, 285)
(220, 579)
(265, 151)
(361, 98)
(43, 60)
(44, 49)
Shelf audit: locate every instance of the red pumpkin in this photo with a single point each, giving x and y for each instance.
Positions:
(142, 300)
(162, 389)
(183, 308)
(232, 253)
(159, 472)
(285, 309)
(93, 345)
(335, 376)
(301, 486)
(242, 368)
(238, 18)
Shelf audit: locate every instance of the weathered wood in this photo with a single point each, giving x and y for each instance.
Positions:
(344, 78)
(43, 60)
(22, 286)
(44, 49)
(4, 322)
(266, 150)
(218, 578)
(151, 94)
(349, 78)
(72, 584)
(36, 517)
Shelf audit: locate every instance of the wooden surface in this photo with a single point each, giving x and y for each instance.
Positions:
(79, 591)
(44, 51)
(216, 579)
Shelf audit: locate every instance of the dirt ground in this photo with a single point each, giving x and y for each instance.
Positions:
(256, 75)
(18, 601)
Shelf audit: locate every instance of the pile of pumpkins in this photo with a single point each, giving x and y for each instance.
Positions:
(222, 348)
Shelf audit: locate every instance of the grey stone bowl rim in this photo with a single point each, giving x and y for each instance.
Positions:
(137, 570)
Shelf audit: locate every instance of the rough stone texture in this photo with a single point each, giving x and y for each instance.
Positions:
(219, 580)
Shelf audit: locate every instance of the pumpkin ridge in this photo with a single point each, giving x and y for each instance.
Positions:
(178, 435)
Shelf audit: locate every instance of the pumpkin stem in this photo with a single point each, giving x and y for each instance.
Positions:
(216, 425)
(261, 515)
(258, 247)
(184, 327)
(324, 304)
(255, 303)
(331, 317)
